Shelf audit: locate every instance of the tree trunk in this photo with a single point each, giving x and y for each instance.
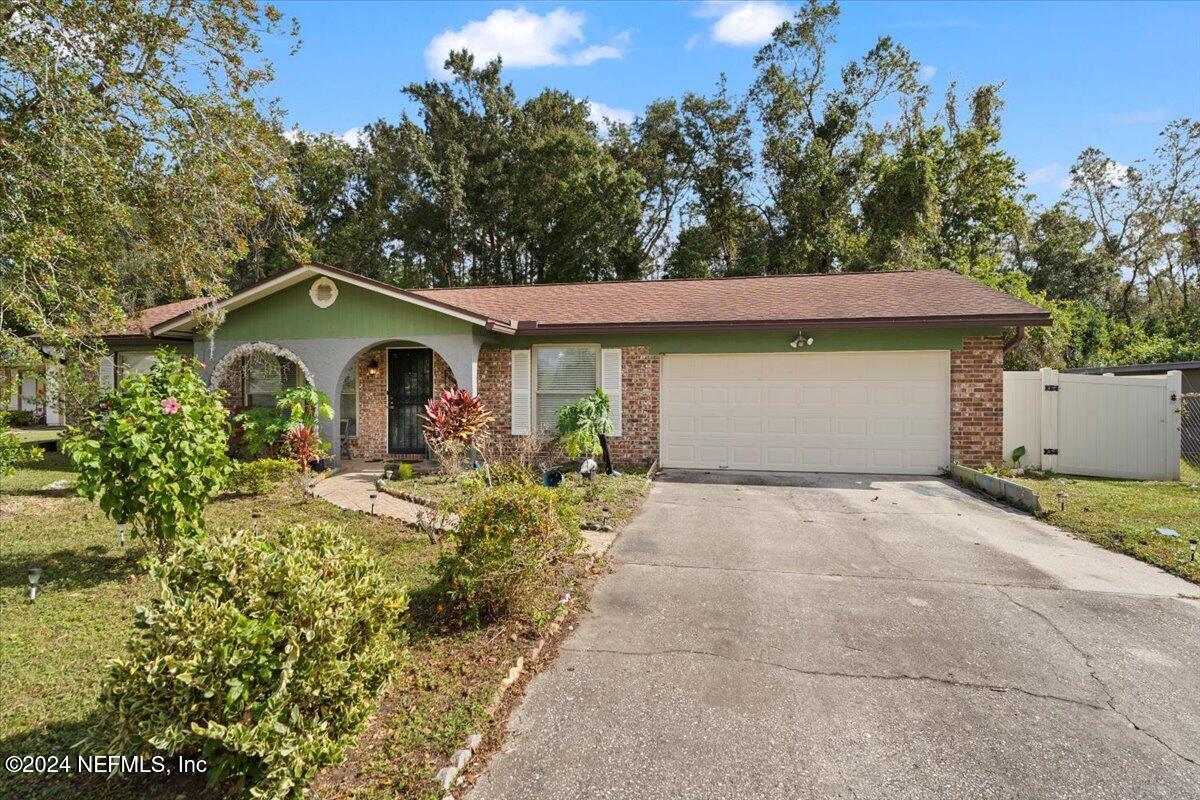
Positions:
(607, 456)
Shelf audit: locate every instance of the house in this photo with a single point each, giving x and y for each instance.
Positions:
(884, 372)
(1190, 370)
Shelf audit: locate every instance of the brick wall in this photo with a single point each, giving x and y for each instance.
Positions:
(977, 401)
(371, 439)
(638, 443)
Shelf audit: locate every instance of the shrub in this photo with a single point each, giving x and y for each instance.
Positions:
(303, 446)
(265, 652)
(12, 453)
(155, 452)
(582, 423)
(257, 431)
(508, 553)
(404, 471)
(264, 431)
(454, 423)
(21, 419)
(261, 475)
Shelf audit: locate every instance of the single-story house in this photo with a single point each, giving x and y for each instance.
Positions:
(884, 372)
(1190, 370)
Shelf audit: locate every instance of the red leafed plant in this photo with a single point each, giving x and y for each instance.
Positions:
(303, 445)
(457, 416)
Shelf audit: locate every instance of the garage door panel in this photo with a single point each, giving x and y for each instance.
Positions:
(848, 412)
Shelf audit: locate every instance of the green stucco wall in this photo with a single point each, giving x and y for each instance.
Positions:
(770, 341)
(357, 313)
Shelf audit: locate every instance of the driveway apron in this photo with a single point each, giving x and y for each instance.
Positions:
(822, 636)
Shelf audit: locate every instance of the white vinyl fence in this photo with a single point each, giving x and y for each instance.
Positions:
(1111, 426)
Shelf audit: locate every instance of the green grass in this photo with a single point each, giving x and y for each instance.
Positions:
(1122, 515)
(610, 499)
(53, 653)
(33, 477)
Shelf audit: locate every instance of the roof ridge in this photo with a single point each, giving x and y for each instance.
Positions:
(653, 281)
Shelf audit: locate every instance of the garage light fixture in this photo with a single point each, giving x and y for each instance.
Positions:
(801, 341)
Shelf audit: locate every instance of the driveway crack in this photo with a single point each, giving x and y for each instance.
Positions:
(1093, 670)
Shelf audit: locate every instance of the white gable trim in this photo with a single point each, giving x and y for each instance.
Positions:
(299, 274)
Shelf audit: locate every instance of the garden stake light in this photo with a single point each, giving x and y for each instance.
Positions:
(1193, 546)
(373, 496)
(121, 528)
(1062, 500)
(35, 574)
(255, 516)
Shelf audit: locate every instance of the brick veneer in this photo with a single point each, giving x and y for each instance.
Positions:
(977, 401)
(370, 442)
(638, 443)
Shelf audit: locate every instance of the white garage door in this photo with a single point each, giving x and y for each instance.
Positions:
(818, 412)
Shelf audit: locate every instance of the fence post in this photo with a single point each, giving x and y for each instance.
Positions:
(1049, 418)
(1174, 423)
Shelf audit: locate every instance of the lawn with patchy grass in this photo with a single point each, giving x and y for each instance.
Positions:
(1122, 515)
(608, 500)
(54, 652)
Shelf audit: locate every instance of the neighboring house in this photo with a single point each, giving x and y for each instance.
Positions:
(1190, 370)
(903, 373)
(131, 349)
(27, 393)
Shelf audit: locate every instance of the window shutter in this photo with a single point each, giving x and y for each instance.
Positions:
(520, 393)
(108, 373)
(610, 382)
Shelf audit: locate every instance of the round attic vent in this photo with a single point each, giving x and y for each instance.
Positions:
(323, 292)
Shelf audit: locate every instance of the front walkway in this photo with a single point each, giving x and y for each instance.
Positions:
(775, 637)
(352, 486)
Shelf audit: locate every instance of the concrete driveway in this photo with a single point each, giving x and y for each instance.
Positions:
(769, 636)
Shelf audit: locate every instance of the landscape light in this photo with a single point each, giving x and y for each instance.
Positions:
(256, 515)
(1193, 545)
(35, 575)
(1062, 500)
(373, 496)
(121, 528)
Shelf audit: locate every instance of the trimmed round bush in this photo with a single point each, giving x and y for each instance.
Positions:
(508, 554)
(265, 653)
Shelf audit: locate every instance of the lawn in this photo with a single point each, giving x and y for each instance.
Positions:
(53, 653)
(610, 500)
(37, 435)
(1122, 515)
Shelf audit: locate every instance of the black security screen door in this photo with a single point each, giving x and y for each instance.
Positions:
(410, 385)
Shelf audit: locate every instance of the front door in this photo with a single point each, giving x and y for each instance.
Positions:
(410, 385)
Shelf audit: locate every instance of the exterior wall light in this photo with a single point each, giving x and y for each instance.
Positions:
(373, 368)
(35, 575)
(801, 341)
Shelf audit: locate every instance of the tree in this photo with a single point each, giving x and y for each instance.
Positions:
(1055, 252)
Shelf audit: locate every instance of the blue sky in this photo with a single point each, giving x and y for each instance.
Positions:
(1075, 75)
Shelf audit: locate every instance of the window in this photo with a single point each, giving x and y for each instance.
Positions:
(562, 376)
(349, 421)
(264, 375)
(134, 361)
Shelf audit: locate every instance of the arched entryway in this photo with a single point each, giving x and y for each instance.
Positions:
(252, 373)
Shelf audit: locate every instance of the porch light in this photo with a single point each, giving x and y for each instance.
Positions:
(35, 575)
(373, 368)
(373, 496)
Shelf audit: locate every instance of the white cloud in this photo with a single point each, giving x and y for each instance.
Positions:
(928, 71)
(1045, 174)
(1116, 173)
(1138, 117)
(524, 39)
(353, 137)
(599, 112)
(744, 23)
(691, 43)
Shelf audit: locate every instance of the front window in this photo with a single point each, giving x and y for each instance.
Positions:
(265, 375)
(349, 403)
(563, 375)
(134, 361)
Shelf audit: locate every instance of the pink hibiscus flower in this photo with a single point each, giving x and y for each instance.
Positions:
(170, 405)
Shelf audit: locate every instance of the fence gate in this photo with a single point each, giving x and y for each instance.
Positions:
(1103, 425)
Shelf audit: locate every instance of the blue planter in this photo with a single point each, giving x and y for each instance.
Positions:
(552, 478)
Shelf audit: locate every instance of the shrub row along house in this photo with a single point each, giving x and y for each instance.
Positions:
(887, 372)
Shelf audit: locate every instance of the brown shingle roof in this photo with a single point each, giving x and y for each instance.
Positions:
(920, 298)
(142, 323)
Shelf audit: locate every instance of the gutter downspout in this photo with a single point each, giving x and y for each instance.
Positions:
(1018, 337)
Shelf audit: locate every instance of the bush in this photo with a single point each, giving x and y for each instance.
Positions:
(154, 453)
(260, 476)
(265, 653)
(12, 452)
(404, 471)
(508, 552)
(454, 423)
(21, 419)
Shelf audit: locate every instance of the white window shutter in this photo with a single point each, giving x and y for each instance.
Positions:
(108, 373)
(521, 394)
(610, 382)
